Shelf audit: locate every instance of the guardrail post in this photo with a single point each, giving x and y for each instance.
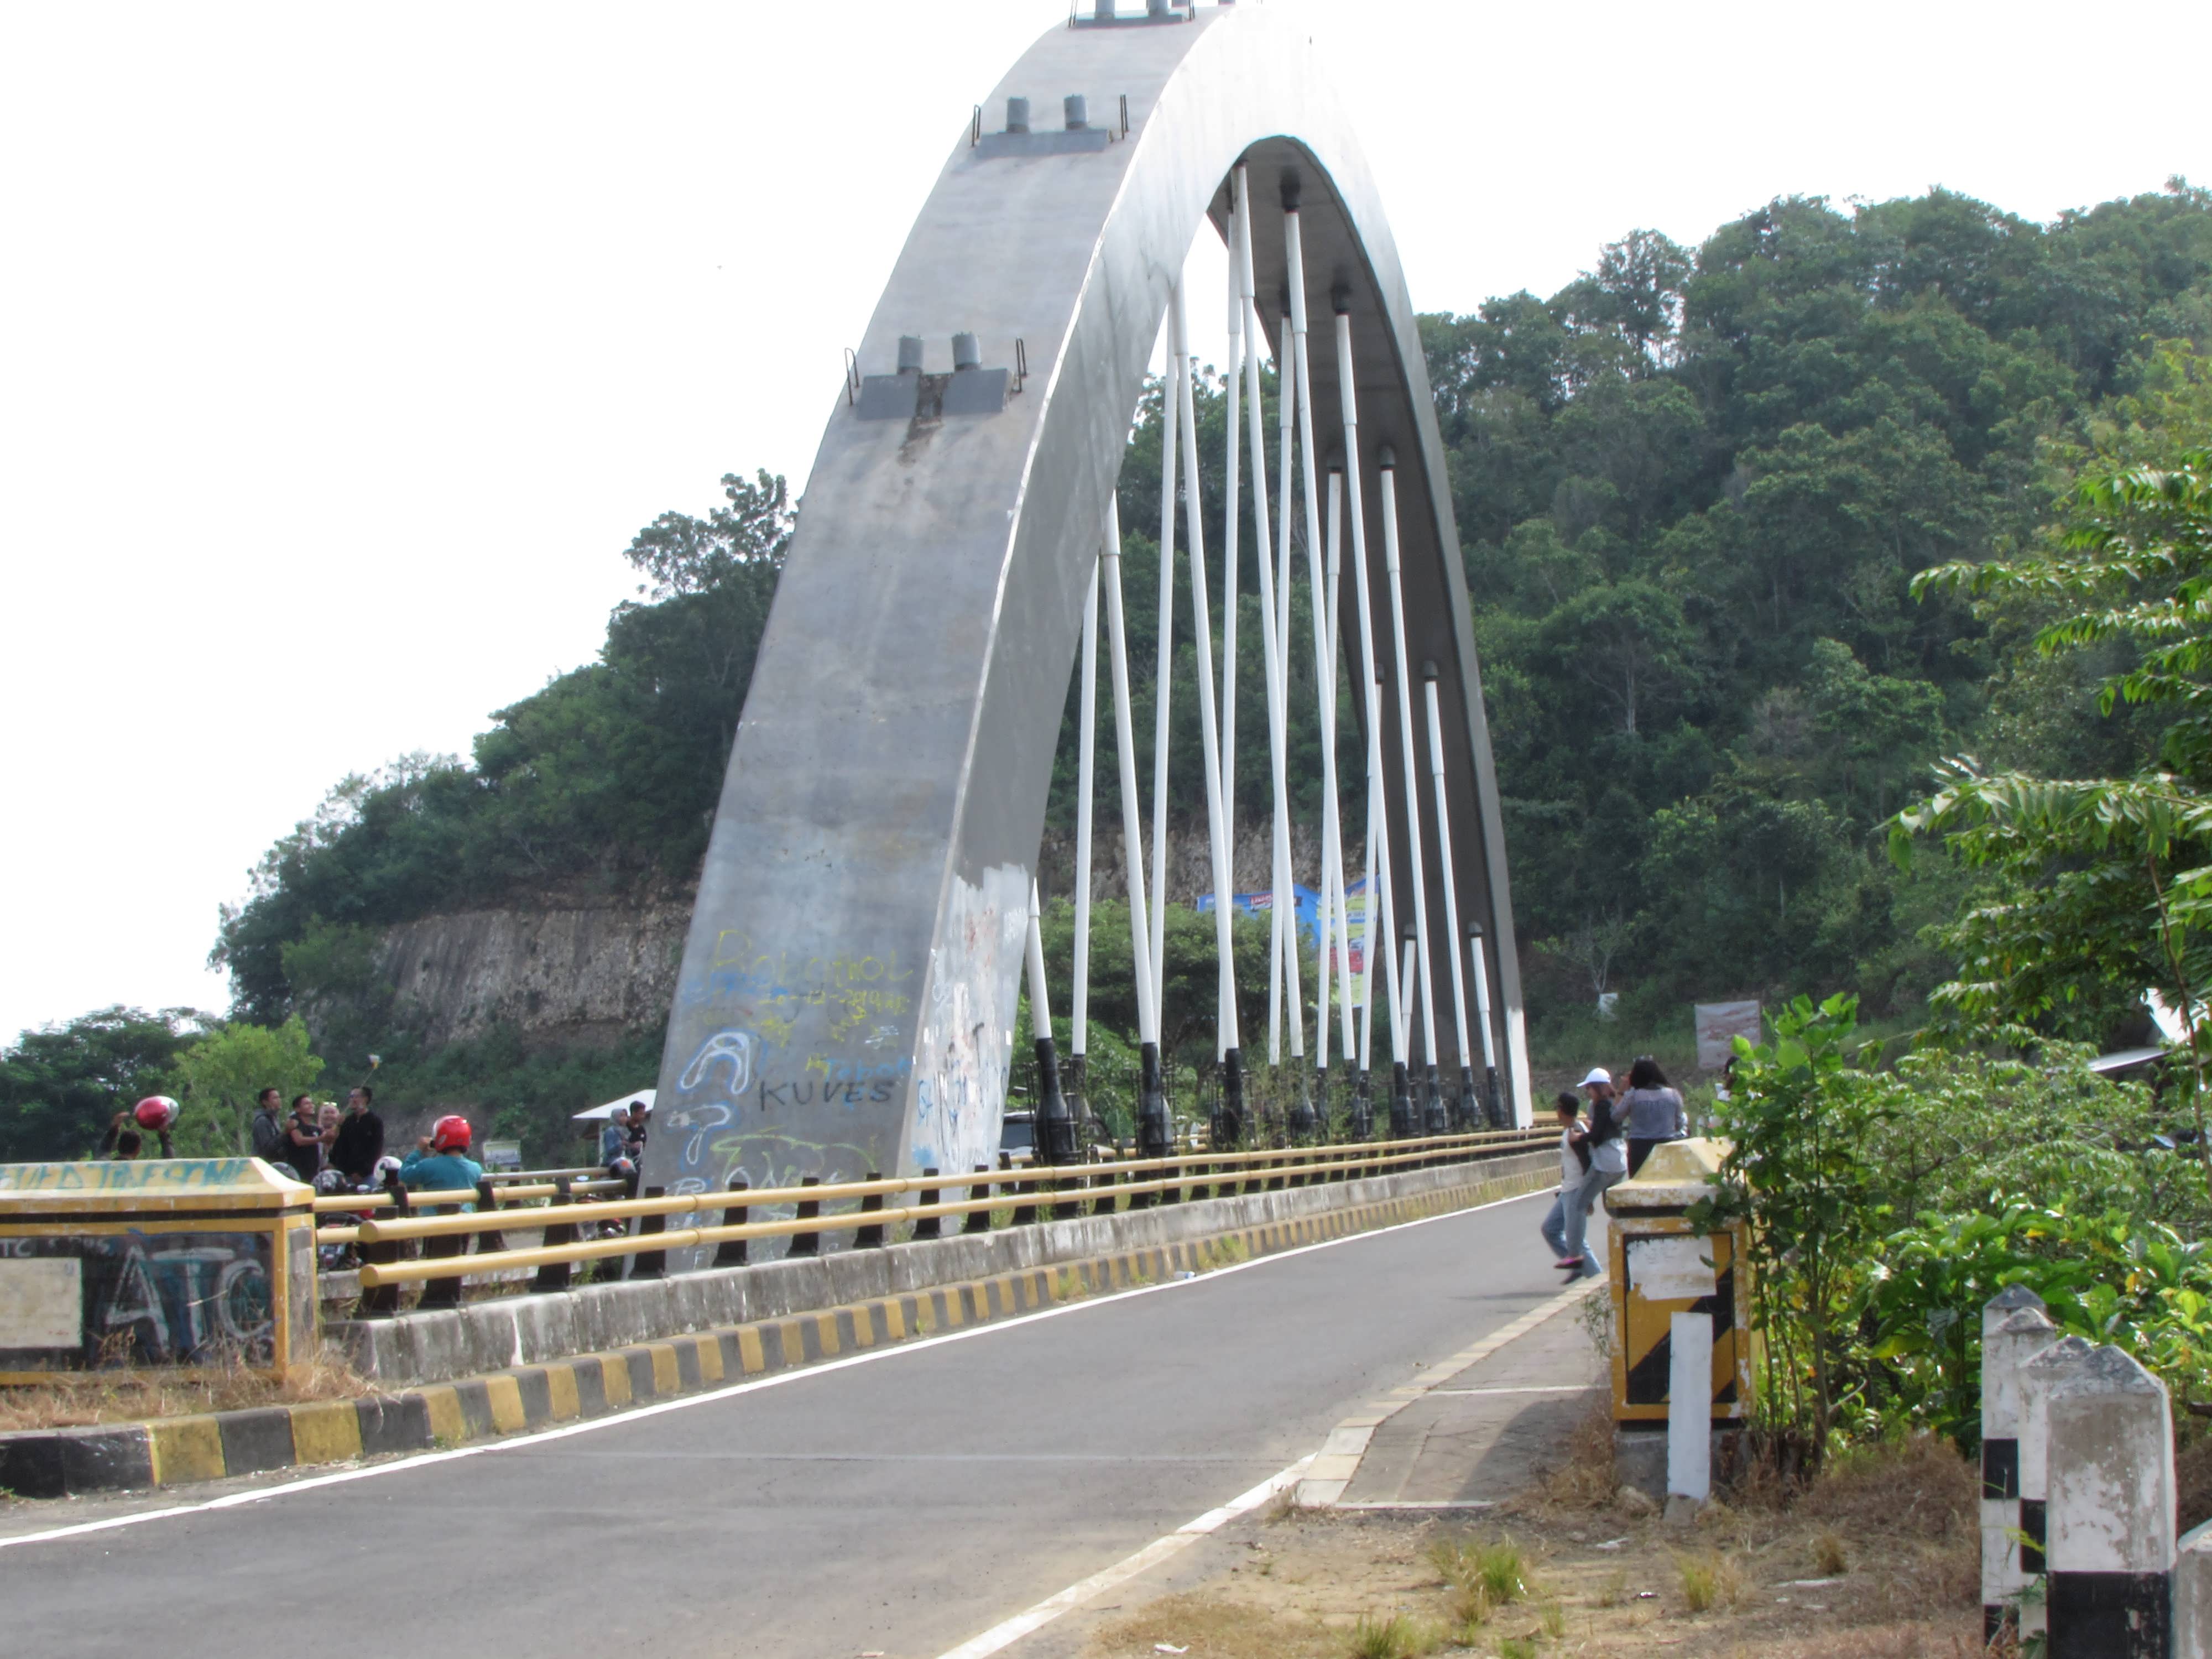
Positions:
(556, 1275)
(1063, 1207)
(1102, 1184)
(870, 1237)
(930, 1226)
(978, 1221)
(383, 1301)
(488, 1201)
(443, 1293)
(651, 1264)
(809, 1209)
(1025, 1214)
(1141, 1200)
(731, 1252)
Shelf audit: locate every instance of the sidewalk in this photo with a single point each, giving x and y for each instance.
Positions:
(1488, 1432)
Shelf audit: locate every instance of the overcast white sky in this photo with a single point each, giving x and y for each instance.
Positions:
(342, 348)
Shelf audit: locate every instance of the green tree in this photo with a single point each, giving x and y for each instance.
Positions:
(1796, 1124)
(2101, 888)
(60, 1086)
(222, 1073)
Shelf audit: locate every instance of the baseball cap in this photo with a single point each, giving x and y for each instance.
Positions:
(1597, 1074)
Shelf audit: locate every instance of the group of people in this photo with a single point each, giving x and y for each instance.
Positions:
(1606, 1148)
(621, 1142)
(316, 1140)
(335, 1151)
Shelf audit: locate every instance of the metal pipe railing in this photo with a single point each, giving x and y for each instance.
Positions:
(1275, 1167)
(374, 1231)
(512, 1185)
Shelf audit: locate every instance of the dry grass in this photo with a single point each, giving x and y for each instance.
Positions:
(1710, 1580)
(1597, 1583)
(134, 1396)
(1583, 1480)
(1211, 1627)
(1394, 1638)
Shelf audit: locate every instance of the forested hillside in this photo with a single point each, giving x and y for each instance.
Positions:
(1692, 492)
(1693, 489)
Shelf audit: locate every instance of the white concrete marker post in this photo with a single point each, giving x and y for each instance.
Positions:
(1690, 1408)
(2035, 1378)
(2193, 1595)
(2014, 1329)
(2109, 1515)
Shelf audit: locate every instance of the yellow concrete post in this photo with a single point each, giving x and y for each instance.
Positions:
(187, 1264)
(1661, 1266)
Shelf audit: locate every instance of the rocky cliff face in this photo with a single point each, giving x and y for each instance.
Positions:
(574, 975)
(581, 976)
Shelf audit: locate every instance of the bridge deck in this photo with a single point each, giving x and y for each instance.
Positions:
(900, 1503)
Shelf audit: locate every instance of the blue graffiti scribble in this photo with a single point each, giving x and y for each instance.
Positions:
(734, 1049)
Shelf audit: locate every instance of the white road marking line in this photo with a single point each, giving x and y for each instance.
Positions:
(1005, 1635)
(517, 1442)
(1548, 1388)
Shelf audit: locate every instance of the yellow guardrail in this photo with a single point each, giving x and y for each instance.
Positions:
(1038, 1186)
(510, 1188)
(508, 1198)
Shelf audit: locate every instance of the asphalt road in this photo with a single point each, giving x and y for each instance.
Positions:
(901, 1505)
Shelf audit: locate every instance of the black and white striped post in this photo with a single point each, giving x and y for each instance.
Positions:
(2014, 1329)
(2107, 1431)
(2036, 1376)
(2192, 1594)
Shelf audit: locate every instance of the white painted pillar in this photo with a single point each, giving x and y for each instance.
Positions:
(2036, 1375)
(2014, 1329)
(1689, 1407)
(2193, 1595)
(2109, 1517)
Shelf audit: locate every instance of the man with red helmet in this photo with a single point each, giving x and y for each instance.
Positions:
(439, 1162)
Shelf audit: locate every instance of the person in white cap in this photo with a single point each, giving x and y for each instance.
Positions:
(1608, 1155)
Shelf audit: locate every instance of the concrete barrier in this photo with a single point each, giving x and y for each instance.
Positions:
(492, 1335)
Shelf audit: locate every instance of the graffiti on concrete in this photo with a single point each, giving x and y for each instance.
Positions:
(148, 1298)
(967, 1034)
(153, 1176)
(772, 990)
(730, 1050)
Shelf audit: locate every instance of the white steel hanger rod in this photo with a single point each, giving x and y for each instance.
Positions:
(1086, 766)
(1327, 620)
(1040, 1011)
(1163, 683)
(1225, 1037)
(1406, 742)
(1445, 853)
(1378, 819)
(1125, 752)
(1283, 978)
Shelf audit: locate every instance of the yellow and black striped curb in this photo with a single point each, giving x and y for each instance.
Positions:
(177, 1451)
